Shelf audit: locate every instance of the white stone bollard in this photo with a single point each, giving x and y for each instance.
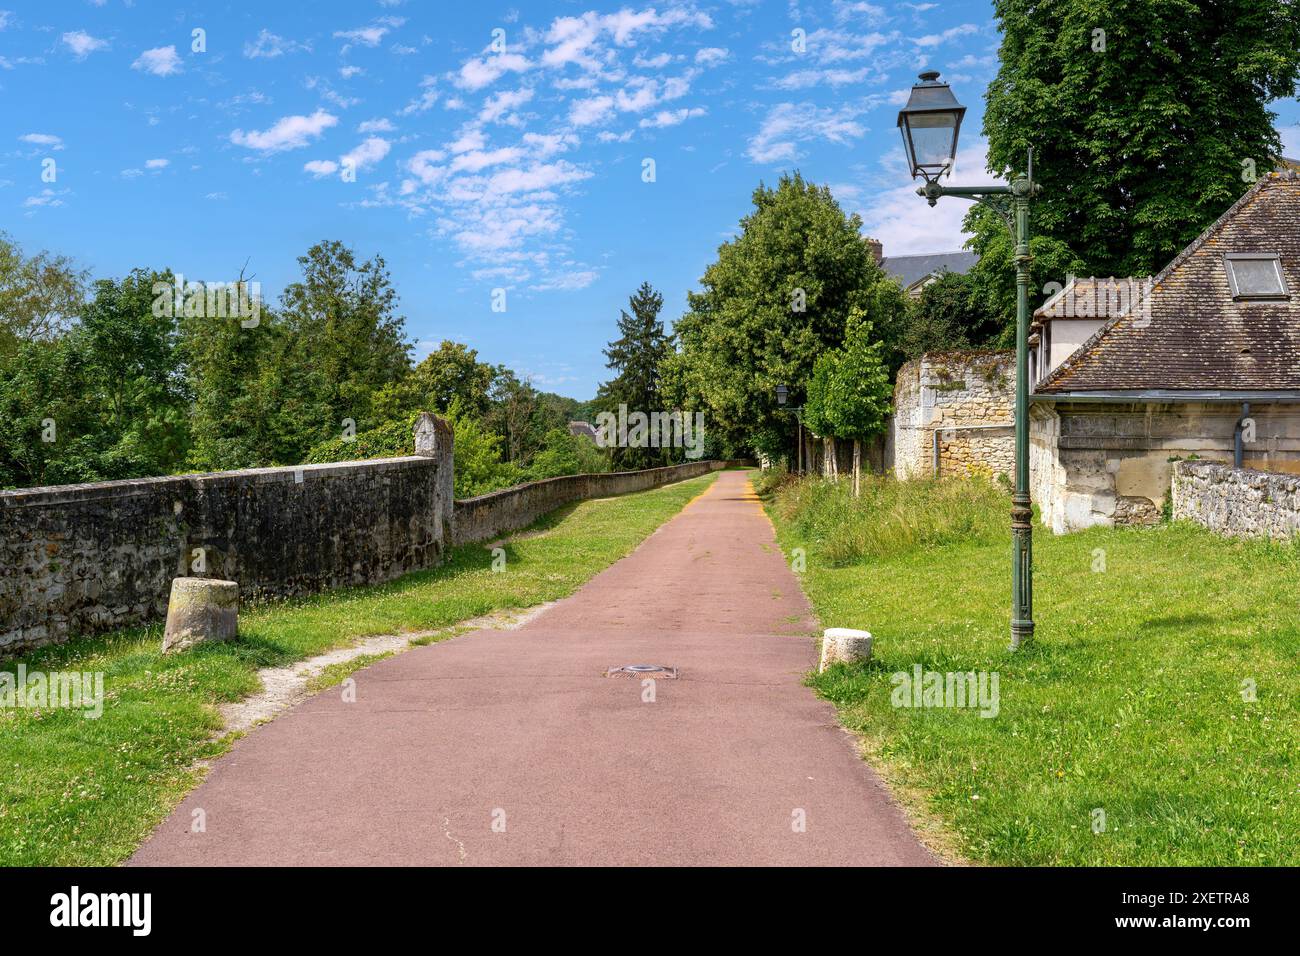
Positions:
(200, 609)
(844, 645)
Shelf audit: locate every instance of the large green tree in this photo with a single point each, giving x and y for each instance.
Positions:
(778, 296)
(40, 295)
(343, 318)
(1147, 118)
(637, 357)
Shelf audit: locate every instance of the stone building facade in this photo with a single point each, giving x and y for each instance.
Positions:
(954, 414)
(1204, 361)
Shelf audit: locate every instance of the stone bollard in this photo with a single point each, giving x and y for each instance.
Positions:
(844, 645)
(201, 609)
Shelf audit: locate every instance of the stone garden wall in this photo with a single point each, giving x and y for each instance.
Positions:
(83, 559)
(79, 559)
(498, 512)
(967, 399)
(1237, 502)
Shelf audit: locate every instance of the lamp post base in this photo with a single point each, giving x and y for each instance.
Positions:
(1022, 564)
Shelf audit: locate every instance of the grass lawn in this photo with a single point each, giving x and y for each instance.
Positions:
(78, 791)
(1130, 702)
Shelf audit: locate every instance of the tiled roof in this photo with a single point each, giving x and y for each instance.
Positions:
(1186, 332)
(909, 270)
(1091, 297)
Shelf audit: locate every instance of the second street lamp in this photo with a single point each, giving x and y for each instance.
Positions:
(930, 123)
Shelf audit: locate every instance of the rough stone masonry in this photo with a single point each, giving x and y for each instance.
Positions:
(1238, 502)
(81, 559)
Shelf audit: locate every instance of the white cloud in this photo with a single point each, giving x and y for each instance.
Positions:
(371, 35)
(46, 197)
(935, 39)
(291, 132)
(592, 110)
(841, 46)
(367, 153)
(160, 61)
(425, 100)
(544, 176)
(856, 9)
(156, 163)
(320, 167)
(905, 223)
(476, 160)
(671, 117)
(486, 70)
(501, 107)
(654, 62)
(567, 282)
(42, 139)
(712, 55)
(82, 44)
(607, 137)
(542, 145)
(269, 45)
(788, 124)
(347, 72)
(802, 79)
(380, 125)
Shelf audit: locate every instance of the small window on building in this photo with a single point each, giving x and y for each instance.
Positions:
(1255, 275)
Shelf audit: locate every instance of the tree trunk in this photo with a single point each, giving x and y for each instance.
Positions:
(857, 468)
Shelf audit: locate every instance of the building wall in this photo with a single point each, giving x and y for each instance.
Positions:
(968, 399)
(1112, 463)
(1237, 502)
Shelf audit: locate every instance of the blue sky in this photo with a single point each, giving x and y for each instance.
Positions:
(471, 160)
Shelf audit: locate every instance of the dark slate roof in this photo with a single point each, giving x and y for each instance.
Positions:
(1186, 333)
(909, 270)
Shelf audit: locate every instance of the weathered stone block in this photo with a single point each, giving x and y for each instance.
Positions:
(844, 645)
(201, 609)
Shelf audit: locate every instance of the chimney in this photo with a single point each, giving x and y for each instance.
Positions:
(877, 249)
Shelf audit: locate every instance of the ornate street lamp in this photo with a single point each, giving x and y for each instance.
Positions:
(930, 123)
(782, 397)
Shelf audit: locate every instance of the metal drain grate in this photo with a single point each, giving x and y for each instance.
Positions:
(652, 671)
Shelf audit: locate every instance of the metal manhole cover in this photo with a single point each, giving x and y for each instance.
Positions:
(652, 671)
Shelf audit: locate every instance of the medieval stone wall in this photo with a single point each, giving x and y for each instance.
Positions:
(967, 400)
(1237, 502)
(498, 512)
(80, 559)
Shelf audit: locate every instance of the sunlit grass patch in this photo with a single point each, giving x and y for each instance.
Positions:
(1134, 700)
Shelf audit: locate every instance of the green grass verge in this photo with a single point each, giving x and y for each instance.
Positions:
(1130, 701)
(86, 792)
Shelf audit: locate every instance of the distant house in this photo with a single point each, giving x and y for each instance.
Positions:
(1202, 360)
(916, 272)
(585, 429)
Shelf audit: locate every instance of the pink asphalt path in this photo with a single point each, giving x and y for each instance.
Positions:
(523, 727)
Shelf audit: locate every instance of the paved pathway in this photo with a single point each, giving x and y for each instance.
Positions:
(522, 727)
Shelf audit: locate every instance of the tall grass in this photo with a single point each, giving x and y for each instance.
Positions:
(891, 517)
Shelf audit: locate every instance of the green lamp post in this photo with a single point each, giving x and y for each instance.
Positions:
(930, 123)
